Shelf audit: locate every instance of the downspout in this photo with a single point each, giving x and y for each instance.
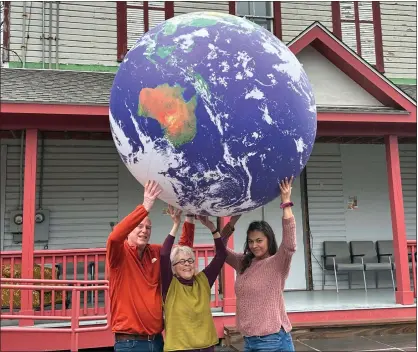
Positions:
(43, 34)
(23, 35)
(22, 139)
(57, 24)
(50, 35)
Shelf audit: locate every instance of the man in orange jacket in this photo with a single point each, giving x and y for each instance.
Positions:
(134, 277)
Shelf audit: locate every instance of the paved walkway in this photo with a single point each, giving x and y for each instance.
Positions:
(402, 342)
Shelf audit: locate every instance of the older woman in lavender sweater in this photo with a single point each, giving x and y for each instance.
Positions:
(262, 271)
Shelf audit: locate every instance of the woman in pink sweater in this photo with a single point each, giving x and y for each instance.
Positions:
(262, 271)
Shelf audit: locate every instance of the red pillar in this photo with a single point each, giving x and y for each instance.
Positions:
(28, 233)
(404, 295)
(230, 301)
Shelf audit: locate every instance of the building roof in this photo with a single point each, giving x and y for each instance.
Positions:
(354, 66)
(55, 86)
(93, 88)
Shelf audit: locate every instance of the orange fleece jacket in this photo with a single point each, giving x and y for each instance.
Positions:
(134, 283)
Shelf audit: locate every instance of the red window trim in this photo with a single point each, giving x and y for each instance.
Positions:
(277, 19)
(122, 25)
(377, 28)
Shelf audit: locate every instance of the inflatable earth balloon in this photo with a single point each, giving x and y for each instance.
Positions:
(214, 108)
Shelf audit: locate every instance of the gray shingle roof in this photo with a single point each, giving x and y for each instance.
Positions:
(411, 90)
(55, 86)
(93, 88)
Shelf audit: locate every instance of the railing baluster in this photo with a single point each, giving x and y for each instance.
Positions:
(96, 276)
(85, 278)
(42, 300)
(53, 291)
(11, 291)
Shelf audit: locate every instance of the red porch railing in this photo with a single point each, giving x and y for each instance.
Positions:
(86, 265)
(412, 249)
(62, 285)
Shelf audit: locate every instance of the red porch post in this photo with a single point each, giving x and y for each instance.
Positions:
(28, 233)
(404, 295)
(230, 301)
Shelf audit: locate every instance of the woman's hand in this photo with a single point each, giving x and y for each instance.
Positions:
(286, 190)
(175, 215)
(206, 222)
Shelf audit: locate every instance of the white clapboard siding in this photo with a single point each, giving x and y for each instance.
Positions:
(297, 16)
(182, 7)
(408, 158)
(399, 35)
(87, 32)
(80, 189)
(326, 207)
(348, 29)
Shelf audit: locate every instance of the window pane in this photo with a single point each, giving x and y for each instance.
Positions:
(262, 8)
(243, 8)
(365, 11)
(347, 11)
(265, 23)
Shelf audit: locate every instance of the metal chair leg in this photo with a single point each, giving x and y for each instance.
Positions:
(364, 279)
(335, 274)
(323, 279)
(393, 280)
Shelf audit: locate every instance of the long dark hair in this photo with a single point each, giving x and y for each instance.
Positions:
(266, 229)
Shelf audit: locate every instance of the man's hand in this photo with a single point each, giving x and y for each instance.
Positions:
(151, 193)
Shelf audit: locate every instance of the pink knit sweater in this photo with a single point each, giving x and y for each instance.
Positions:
(259, 290)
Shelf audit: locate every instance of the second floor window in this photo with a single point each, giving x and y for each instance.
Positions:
(358, 25)
(260, 12)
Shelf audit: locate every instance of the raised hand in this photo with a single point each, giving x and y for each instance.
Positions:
(151, 193)
(175, 214)
(234, 220)
(286, 189)
(206, 222)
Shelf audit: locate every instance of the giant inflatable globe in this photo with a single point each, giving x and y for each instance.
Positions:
(216, 109)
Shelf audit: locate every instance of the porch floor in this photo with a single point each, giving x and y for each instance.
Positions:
(327, 300)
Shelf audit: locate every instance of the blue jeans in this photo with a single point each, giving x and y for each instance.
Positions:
(156, 345)
(280, 341)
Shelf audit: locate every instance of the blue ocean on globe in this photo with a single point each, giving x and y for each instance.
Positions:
(214, 108)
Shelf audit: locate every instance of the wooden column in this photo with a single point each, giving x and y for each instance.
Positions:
(228, 284)
(28, 233)
(404, 295)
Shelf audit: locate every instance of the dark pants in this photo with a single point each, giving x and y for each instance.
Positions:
(157, 345)
(281, 341)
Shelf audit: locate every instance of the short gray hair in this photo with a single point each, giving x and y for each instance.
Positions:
(180, 249)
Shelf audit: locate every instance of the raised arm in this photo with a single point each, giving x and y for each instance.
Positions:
(114, 246)
(288, 245)
(233, 259)
(165, 267)
(213, 269)
(187, 234)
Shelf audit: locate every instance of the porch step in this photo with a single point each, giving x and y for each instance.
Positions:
(334, 329)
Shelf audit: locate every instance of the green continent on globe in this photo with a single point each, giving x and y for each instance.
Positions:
(167, 105)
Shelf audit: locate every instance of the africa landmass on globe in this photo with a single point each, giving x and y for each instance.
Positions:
(214, 108)
(167, 106)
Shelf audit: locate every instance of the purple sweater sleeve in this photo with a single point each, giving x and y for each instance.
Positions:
(165, 267)
(213, 269)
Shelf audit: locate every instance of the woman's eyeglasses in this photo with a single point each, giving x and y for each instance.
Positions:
(184, 261)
